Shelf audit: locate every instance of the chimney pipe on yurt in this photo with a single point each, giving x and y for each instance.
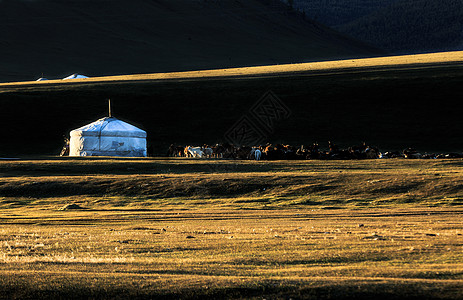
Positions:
(108, 136)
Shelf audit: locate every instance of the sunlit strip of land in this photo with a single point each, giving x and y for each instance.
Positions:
(388, 61)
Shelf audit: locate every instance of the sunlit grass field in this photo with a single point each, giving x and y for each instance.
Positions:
(178, 228)
(376, 62)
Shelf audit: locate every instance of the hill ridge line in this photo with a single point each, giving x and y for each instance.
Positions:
(400, 60)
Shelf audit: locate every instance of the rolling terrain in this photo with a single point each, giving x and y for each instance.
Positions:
(177, 228)
(392, 103)
(396, 26)
(411, 26)
(96, 38)
(338, 12)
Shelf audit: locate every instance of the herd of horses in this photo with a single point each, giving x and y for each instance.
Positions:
(289, 152)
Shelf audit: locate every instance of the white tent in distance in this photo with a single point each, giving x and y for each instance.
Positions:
(108, 136)
(75, 76)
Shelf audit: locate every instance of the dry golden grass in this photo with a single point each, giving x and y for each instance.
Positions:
(214, 252)
(377, 62)
(361, 238)
(186, 184)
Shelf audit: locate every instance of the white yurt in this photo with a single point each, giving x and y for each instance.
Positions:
(108, 137)
(75, 76)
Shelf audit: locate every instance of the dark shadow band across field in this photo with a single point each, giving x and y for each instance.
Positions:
(314, 288)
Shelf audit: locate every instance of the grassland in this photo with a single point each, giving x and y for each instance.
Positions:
(177, 228)
(183, 183)
(170, 228)
(415, 60)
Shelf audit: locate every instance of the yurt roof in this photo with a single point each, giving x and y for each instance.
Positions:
(75, 76)
(109, 126)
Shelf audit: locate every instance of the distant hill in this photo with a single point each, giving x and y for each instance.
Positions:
(101, 37)
(339, 12)
(389, 106)
(397, 26)
(417, 26)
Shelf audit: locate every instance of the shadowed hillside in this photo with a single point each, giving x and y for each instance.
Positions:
(412, 26)
(390, 107)
(102, 37)
(339, 12)
(397, 26)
